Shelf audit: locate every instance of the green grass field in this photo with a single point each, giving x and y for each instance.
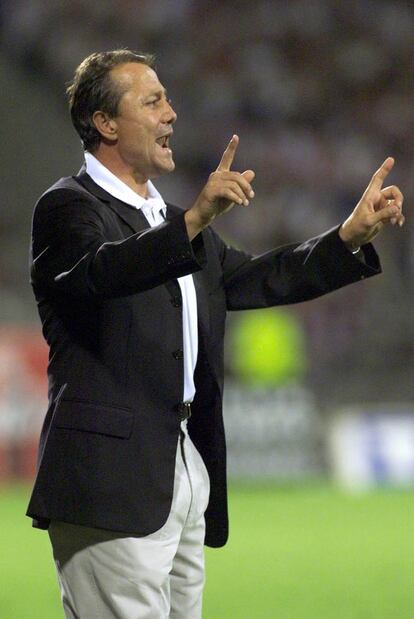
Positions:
(294, 553)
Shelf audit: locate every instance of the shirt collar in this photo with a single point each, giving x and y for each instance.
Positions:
(118, 189)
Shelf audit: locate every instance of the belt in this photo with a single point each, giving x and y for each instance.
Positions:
(184, 410)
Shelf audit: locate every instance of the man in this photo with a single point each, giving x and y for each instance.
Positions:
(132, 294)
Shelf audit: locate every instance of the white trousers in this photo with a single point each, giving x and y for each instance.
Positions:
(107, 575)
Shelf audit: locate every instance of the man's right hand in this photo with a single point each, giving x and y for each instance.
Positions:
(223, 190)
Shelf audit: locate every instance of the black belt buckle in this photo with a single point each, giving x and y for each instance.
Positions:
(184, 410)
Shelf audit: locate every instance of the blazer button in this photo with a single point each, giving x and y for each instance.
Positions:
(176, 302)
(178, 354)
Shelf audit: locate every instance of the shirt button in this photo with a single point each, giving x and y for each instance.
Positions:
(176, 302)
(178, 354)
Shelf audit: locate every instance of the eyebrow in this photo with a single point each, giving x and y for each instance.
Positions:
(160, 92)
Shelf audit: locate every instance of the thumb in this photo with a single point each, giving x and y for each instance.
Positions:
(249, 175)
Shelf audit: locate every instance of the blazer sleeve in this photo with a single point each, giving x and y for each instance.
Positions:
(72, 254)
(292, 273)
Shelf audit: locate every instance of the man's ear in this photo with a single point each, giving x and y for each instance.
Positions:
(106, 125)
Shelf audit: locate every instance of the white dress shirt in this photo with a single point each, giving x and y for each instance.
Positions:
(154, 209)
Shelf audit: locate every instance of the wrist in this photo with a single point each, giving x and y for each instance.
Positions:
(195, 223)
(353, 244)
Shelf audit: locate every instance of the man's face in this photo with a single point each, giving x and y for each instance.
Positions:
(144, 121)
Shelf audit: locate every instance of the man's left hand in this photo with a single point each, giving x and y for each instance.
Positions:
(376, 208)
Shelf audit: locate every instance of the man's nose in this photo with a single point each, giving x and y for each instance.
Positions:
(169, 113)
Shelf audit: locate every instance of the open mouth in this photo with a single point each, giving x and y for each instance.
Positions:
(164, 141)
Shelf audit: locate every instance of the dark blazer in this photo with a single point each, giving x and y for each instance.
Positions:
(110, 305)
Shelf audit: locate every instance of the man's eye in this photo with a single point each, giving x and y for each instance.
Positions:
(153, 102)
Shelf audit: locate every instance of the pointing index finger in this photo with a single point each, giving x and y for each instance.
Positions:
(228, 155)
(381, 174)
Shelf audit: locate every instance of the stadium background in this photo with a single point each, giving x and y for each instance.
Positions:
(319, 400)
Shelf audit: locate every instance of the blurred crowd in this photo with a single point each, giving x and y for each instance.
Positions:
(320, 92)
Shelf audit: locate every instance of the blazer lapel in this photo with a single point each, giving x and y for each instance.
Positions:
(202, 303)
(129, 214)
(199, 283)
